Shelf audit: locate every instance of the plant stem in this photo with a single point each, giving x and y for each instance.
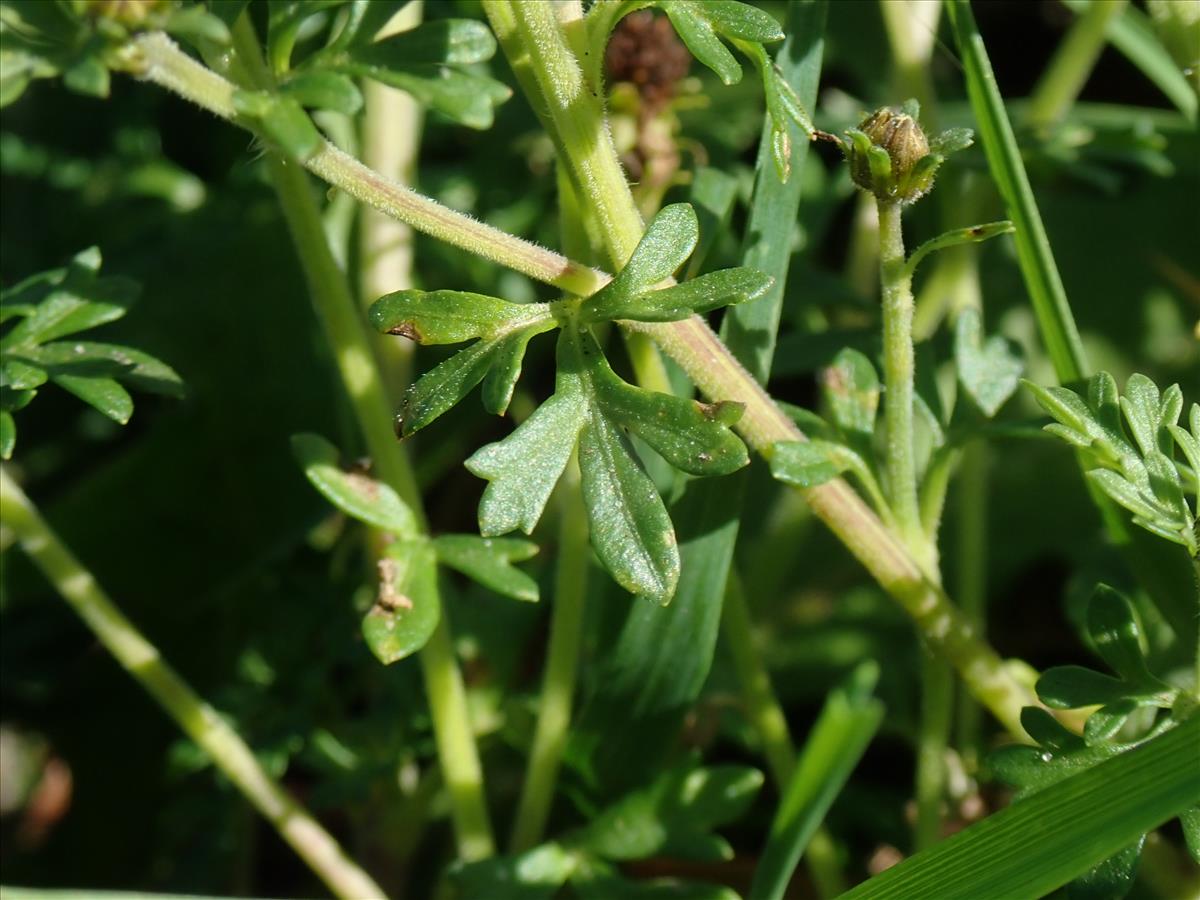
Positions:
(763, 709)
(937, 704)
(199, 721)
(971, 588)
(691, 343)
(360, 374)
(898, 374)
(1073, 61)
(558, 685)
(577, 119)
(391, 132)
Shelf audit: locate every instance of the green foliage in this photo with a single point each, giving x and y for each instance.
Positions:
(702, 25)
(407, 607)
(1114, 728)
(672, 817)
(430, 61)
(592, 408)
(81, 41)
(1128, 444)
(57, 304)
(988, 370)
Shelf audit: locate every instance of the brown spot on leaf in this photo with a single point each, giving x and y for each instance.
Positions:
(406, 329)
(361, 484)
(390, 599)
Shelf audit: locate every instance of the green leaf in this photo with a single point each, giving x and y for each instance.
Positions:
(19, 375)
(198, 26)
(451, 317)
(421, 60)
(441, 42)
(630, 529)
(1105, 723)
(524, 467)
(8, 434)
(750, 330)
(1111, 879)
(489, 561)
(845, 727)
(693, 437)
(322, 89)
(138, 369)
(282, 121)
(89, 77)
(445, 317)
(1140, 403)
(783, 108)
(1190, 820)
(850, 388)
(1065, 830)
(536, 874)
(104, 394)
(973, 235)
(669, 240)
(408, 608)
(1070, 687)
(1113, 627)
(700, 295)
(355, 494)
(990, 370)
(698, 34)
(805, 464)
(1051, 308)
(66, 301)
(674, 815)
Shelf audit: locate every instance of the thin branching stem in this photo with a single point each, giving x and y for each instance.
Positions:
(346, 332)
(196, 718)
(691, 343)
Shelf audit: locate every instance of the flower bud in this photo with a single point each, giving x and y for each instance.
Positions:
(890, 156)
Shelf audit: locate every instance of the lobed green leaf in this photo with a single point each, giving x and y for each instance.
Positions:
(990, 370)
(140, 370)
(451, 317)
(489, 562)
(699, 295)
(850, 388)
(355, 494)
(408, 608)
(322, 89)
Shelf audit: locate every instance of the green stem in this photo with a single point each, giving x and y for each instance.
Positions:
(558, 685)
(690, 343)
(971, 587)
(197, 719)
(765, 715)
(391, 132)
(898, 377)
(1064, 77)
(457, 753)
(349, 340)
(577, 119)
(937, 704)
(763, 709)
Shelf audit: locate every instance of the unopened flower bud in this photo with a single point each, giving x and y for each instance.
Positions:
(890, 156)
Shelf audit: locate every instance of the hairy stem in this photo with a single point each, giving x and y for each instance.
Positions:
(349, 339)
(937, 707)
(898, 375)
(558, 685)
(197, 719)
(690, 343)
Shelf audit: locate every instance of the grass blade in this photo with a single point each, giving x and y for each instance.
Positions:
(1050, 305)
(749, 329)
(1132, 34)
(847, 723)
(1040, 844)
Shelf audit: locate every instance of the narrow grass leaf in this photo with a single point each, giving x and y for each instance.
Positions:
(1041, 843)
(846, 725)
(749, 330)
(1050, 305)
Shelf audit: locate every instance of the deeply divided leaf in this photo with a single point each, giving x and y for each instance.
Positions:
(489, 561)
